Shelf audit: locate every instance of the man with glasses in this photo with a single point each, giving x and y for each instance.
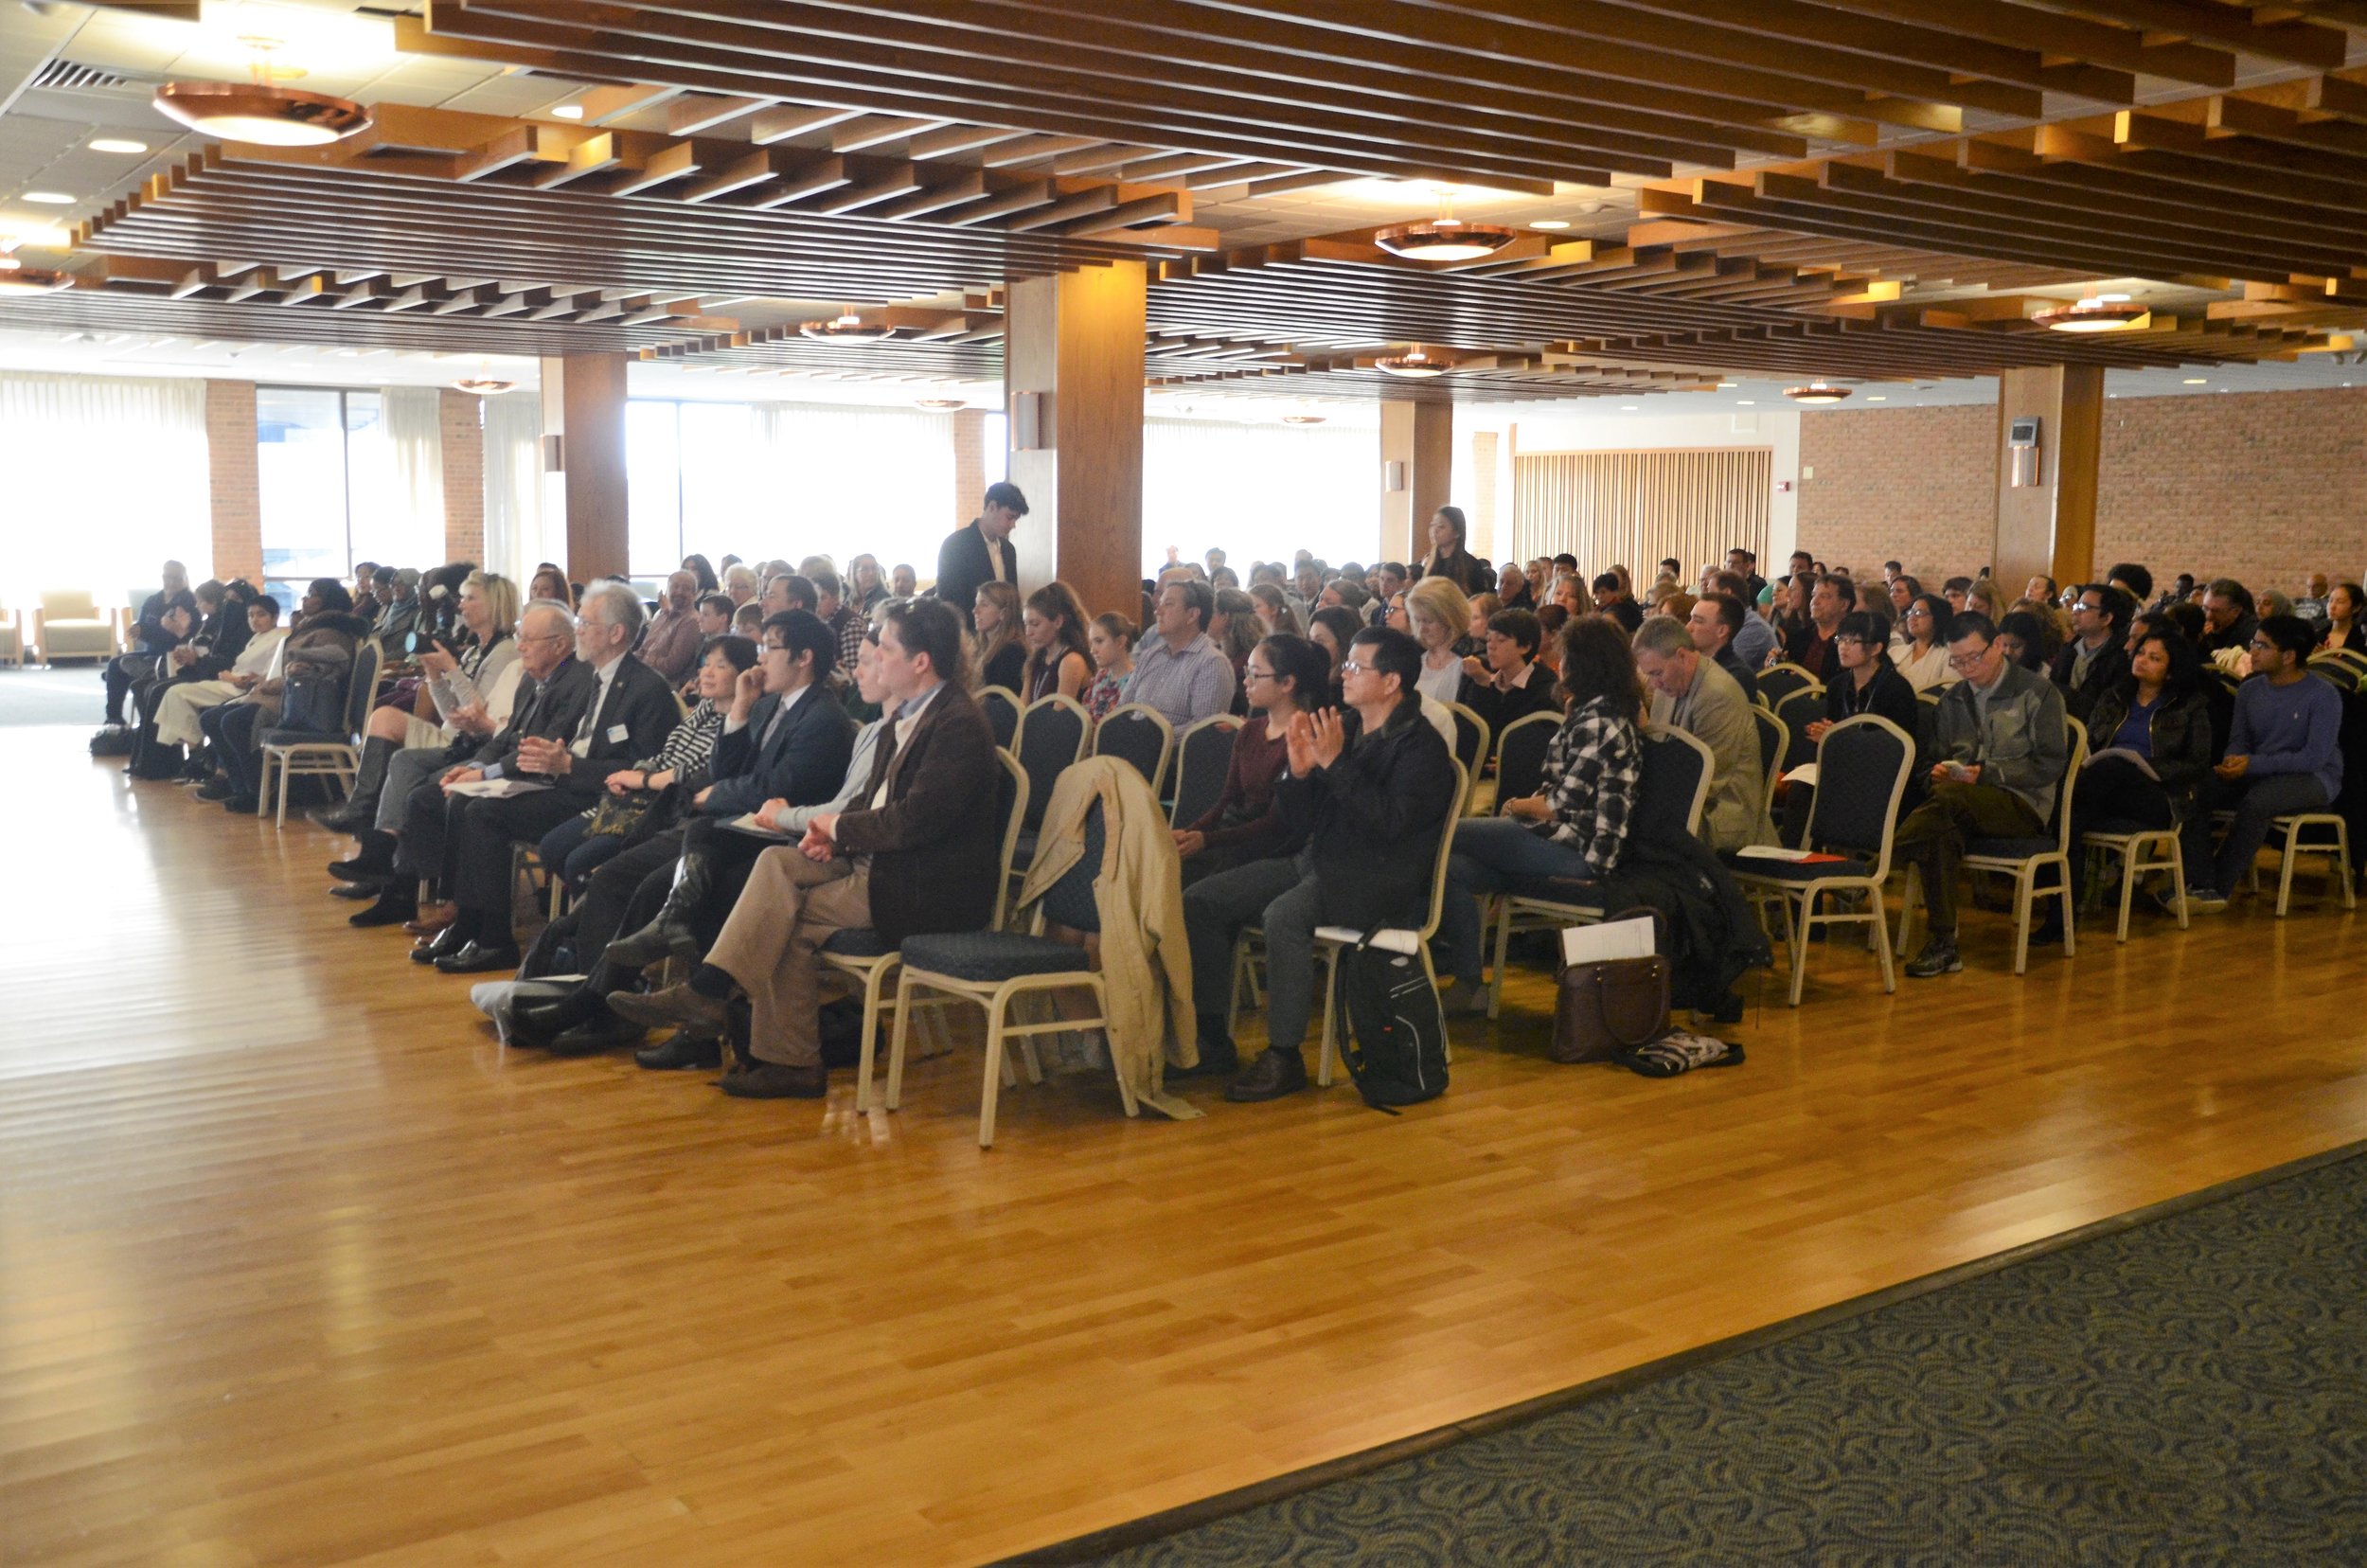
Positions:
(1811, 647)
(2229, 620)
(2094, 660)
(2003, 747)
(2284, 755)
(1691, 693)
(628, 711)
(1365, 793)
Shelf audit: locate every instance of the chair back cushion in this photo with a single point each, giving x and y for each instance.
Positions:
(1665, 793)
(1856, 777)
(1001, 710)
(1200, 772)
(1520, 755)
(1134, 738)
(1070, 901)
(1798, 711)
(1049, 737)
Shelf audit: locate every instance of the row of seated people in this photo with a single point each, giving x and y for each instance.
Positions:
(1323, 821)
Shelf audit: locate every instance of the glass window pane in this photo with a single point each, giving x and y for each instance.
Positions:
(996, 442)
(300, 470)
(731, 497)
(653, 488)
(1322, 480)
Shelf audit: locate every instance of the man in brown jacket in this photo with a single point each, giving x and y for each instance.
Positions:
(918, 856)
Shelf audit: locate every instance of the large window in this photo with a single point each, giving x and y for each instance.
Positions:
(759, 480)
(1259, 492)
(347, 477)
(107, 478)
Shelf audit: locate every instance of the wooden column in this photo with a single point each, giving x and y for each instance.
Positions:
(583, 404)
(1073, 389)
(2050, 526)
(1416, 471)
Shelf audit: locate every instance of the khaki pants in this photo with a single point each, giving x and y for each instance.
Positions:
(791, 906)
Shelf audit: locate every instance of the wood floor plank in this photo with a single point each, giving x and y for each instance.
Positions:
(298, 1266)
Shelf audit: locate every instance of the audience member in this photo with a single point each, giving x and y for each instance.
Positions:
(2346, 631)
(150, 640)
(1693, 694)
(2095, 659)
(1059, 654)
(1001, 657)
(918, 856)
(1285, 676)
(2003, 747)
(2150, 741)
(1439, 619)
(1572, 828)
(1809, 645)
(1450, 557)
(1866, 681)
(1611, 599)
(2284, 755)
(2023, 635)
(1179, 671)
(670, 646)
(177, 712)
(1365, 796)
(1111, 643)
(847, 623)
(982, 552)
(2229, 620)
(1715, 621)
(1504, 684)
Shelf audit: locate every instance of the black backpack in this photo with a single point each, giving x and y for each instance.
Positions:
(1396, 1047)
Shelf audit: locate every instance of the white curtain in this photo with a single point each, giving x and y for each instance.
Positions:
(829, 481)
(395, 474)
(513, 486)
(1259, 492)
(106, 479)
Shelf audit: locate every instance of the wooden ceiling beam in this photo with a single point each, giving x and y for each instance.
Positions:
(2291, 43)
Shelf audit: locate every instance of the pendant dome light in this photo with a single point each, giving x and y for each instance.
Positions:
(262, 111)
(2112, 313)
(1817, 392)
(1412, 364)
(846, 327)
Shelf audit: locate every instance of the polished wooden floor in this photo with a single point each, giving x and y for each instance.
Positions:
(297, 1266)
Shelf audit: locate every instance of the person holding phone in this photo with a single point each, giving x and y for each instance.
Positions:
(2002, 750)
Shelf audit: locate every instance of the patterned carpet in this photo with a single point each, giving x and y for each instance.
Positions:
(2191, 1389)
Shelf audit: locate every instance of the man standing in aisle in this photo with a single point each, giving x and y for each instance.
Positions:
(982, 552)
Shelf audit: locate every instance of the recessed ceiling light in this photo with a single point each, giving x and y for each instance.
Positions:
(1877, 397)
(1745, 402)
(49, 198)
(568, 111)
(1551, 224)
(1628, 408)
(1727, 386)
(2198, 381)
(118, 144)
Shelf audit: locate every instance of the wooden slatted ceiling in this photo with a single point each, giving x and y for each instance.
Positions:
(1513, 93)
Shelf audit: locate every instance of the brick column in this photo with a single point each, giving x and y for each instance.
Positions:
(234, 489)
(970, 471)
(462, 417)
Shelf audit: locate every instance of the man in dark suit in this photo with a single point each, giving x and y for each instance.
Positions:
(918, 856)
(783, 738)
(982, 552)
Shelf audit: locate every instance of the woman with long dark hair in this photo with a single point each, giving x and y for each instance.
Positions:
(1449, 556)
(1285, 675)
(1574, 826)
(1921, 651)
(2149, 743)
(697, 566)
(1059, 661)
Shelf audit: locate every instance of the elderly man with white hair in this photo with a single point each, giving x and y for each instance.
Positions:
(591, 712)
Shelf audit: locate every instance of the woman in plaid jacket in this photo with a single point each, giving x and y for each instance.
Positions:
(1569, 833)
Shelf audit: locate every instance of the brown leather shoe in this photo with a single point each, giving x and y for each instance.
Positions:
(430, 921)
(674, 1006)
(773, 1081)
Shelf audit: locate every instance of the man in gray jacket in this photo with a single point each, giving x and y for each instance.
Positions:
(2000, 761)
(1692, 693)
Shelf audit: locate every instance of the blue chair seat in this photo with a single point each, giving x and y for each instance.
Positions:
(2010, 849)
(991, 956)
(301, 738)
(857, 942)
(1797, 871)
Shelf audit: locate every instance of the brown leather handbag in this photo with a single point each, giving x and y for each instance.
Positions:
(1609, 1006)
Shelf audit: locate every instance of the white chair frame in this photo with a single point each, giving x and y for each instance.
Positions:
(2337, 849)
(1479, 759)
(1800, 914)
(2147, 849)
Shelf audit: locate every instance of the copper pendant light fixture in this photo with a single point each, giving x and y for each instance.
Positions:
(262, 112)
(1817, 392)
(846, 327)
(1412, 364)
(482, 387)
(2098, 313)
(1444, 239)
(16, 279)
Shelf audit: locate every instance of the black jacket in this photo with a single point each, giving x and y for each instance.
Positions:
(2238, 635)
(637, 715)
(2184, 743)
(1889, 695)
(223, 637)
(1465, 570)
(1372, 818)
(1501, 709)
(548, 709)
(962, 566)
(803, 764)
(149, 633)
(2105, 671)
(1708, 932)
(1745, 677)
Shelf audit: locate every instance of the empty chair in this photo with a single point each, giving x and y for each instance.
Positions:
(1779, 681)
(70, 626)
(1002, 711)
(1204, 755)
(1139, 735)
(1051, 735)
(2140, 850)
(1862, 766)
(1774, 741)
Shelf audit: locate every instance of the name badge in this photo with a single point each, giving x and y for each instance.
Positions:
(616, 733)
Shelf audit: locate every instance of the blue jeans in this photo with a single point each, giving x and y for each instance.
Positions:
(1489, 855)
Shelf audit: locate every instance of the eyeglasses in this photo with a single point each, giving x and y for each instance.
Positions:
(547, 636)
(1251, 672)
(1353, 667)
(2262, 644)
(1968, 661)
(1918, 612)
(1852, 642)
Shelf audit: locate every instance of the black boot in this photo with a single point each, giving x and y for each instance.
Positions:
(375, 858)
(399, 902)
(358, 810)
(1219, 1055)
(669, 933)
